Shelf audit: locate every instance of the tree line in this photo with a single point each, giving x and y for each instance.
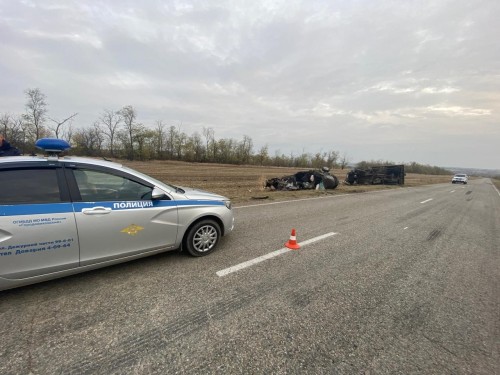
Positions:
(118, 134)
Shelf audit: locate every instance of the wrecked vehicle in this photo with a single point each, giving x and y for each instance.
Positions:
(379, 175)
(312, 179)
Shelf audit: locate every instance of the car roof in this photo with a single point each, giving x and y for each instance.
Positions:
(64, 159)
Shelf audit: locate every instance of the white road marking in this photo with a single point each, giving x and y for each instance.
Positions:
(405, 228)
(452, 191)
(273, 254)
(428, 200)
(494, 187)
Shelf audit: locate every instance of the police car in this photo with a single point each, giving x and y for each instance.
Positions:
(65, 215)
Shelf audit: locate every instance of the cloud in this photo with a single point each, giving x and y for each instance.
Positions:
(291, 74)
(459, 111)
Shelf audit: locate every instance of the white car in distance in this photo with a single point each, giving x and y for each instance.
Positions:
(460, 178)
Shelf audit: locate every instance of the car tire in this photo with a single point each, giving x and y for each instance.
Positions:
(330, 182)
(336, 183)
(202, 238)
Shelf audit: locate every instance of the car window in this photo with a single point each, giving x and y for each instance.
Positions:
(101, 186)
(30, 185)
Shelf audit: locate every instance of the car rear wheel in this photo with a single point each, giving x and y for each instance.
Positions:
(202, 238)
(330, 182)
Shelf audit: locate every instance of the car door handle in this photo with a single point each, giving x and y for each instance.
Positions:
(99, 210)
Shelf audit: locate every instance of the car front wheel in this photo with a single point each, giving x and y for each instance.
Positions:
(202, 238)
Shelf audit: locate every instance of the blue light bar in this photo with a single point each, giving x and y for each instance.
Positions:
(52, 145)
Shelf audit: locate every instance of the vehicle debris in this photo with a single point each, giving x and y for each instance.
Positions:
(379, 175)
(318, 179)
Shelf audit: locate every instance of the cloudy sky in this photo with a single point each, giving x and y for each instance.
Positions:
(374, 79)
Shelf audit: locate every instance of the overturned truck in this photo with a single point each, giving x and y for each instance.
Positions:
(312, 179)
(379, 175)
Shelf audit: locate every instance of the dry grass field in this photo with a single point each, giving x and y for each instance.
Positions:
(496, 181)
(245, 184)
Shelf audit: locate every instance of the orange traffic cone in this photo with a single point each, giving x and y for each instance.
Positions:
(292, 242)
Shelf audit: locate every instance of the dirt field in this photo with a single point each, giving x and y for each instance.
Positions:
(245, 184)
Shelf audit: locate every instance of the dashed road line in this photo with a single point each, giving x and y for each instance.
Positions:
(494, 187)
(270, 255)
(427, 200)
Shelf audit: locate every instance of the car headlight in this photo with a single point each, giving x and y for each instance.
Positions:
(228, 204)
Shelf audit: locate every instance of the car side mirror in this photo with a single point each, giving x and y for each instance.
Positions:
(157, 193)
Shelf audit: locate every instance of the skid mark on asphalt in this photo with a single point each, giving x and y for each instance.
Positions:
(130, 350)
(434, 234)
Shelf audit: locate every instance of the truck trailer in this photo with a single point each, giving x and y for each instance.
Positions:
(377, 175)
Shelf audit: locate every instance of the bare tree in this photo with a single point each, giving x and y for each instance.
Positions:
(197, 145)
(244, 150)
(143, 138)
(12, 129)
(129, 116)
(111, 120)
(180, 142)
(226, 151)
(208, 133)
(344, 160)
(98, 135)
(60, 123)
(5, 124)
(263, 155)
(332, 158)
(318, 160)
(160, 139)
(68, 133)
(88, 141)
(36, 111)
(171, 136)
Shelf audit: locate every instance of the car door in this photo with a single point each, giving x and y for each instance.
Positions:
(37, 225)
(116, 216)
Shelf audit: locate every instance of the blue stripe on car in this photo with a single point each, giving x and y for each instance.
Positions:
(55, 208)
(35, 209)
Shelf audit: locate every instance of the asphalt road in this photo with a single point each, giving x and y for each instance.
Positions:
(398, 281)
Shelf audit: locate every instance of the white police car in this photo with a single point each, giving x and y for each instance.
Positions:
(65, 215)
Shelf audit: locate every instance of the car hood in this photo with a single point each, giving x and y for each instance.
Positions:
(191, 193)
